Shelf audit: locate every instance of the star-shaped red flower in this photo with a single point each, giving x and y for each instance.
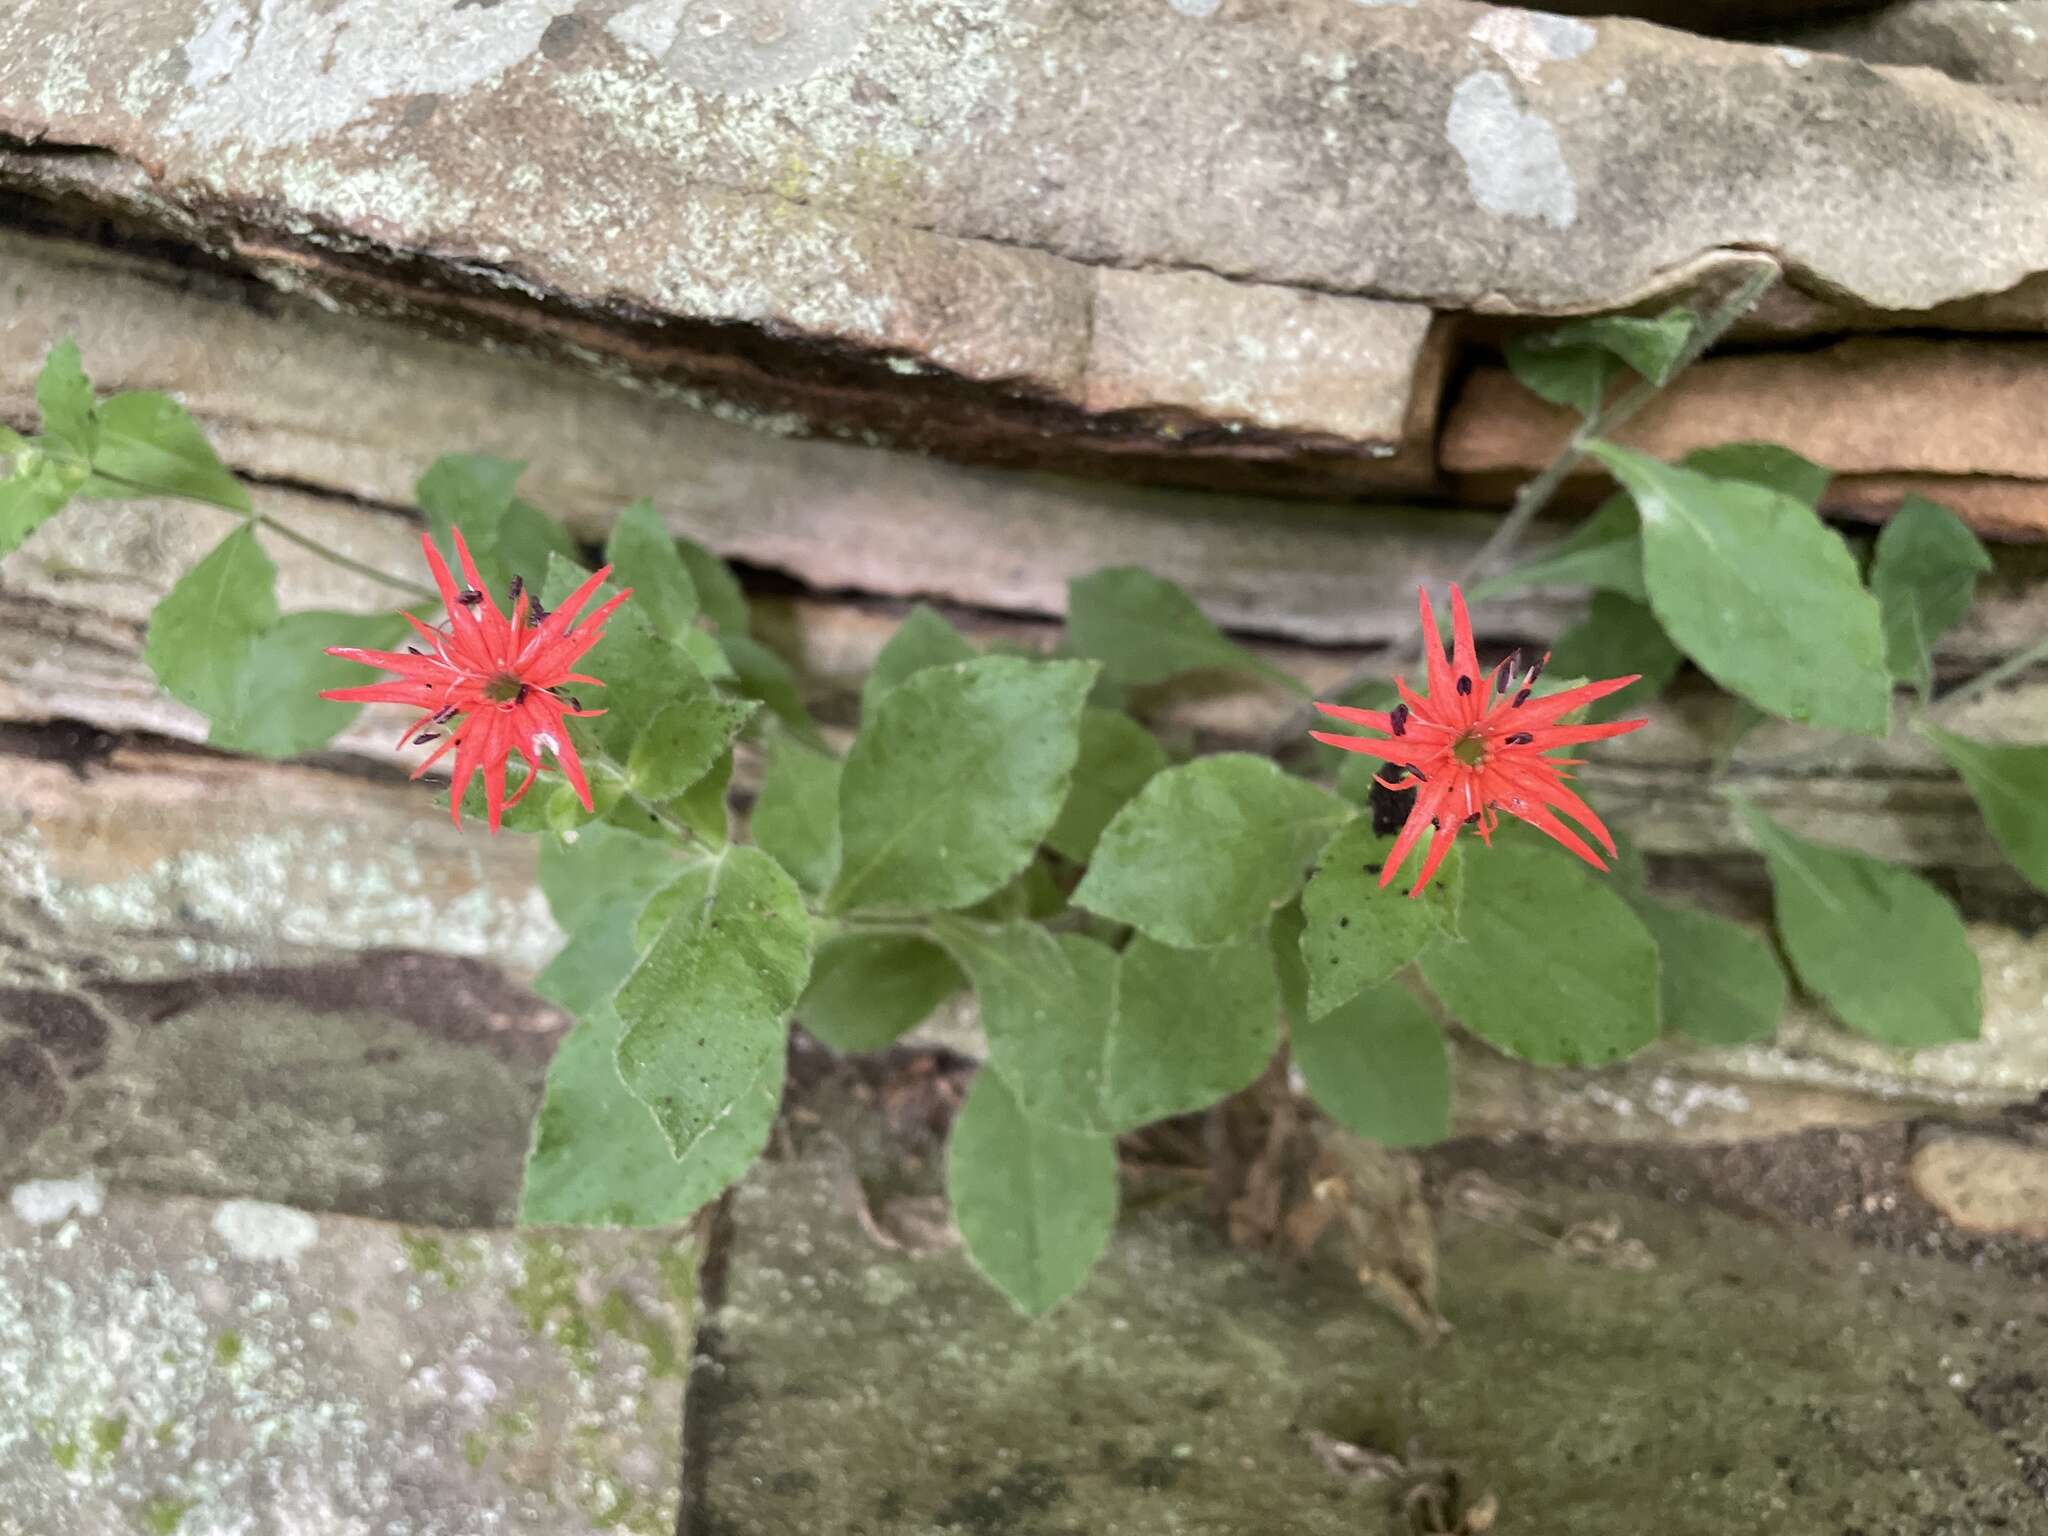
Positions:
(1474, 746)
(492, 681)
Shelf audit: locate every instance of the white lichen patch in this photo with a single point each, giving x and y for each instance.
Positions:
(735, 47)
(1196, 7)
(1407, 5)
(264, 1233)
(1527, 40)
(39, 1202)
(1514, 164)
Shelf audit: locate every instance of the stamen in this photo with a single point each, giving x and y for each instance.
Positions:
(1519, 739)
(518, 586)
(1464, 685)
(446, 714)
(1417, 775)
(1472, 818)
(1397, 720)
(1520, 699)
(534, 614)
(469, 597)
(1536, 671)
(413, 650)
(424, 737)
(520, 696)
(1507, 665)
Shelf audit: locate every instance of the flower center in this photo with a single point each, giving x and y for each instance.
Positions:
(1469, 750)
(504, 689)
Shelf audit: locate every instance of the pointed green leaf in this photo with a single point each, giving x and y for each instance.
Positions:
(1760, 593)
(923, 639)
(796, 815)
(1118, 756)
(64, 395)
(1765, 464)
(472, 491)
(1618, 636)
(719, 595)
(599, 867)
(149, 446)
(1191, 1026)
(202, 632)
(2010, 786)
(1573, 364)
(1884, 950)
(686, 738)
(1288, 967)
(1035, 1204)
(703, 807)
(1379, 1066)
(1925, 577)
(1144, 629)
(278, 711)
(760, 674)
(1205, 851)
(643, 555)
(1719, 983)
(868, 988)
(1604, 552)
(709, 1003)
(527, 540)
(1358, 932)
(954, 782)
(1557, 970)
(641, 672)
(34, 491)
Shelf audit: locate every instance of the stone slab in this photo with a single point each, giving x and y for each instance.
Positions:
(183, 1367)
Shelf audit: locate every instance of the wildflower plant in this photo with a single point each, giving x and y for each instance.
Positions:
(1142, 929)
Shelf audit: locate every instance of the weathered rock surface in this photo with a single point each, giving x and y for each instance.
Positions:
(185, 1366)
(2001, 44)
(1983, 1184)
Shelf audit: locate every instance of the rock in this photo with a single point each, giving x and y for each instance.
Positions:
(2002, 46)
(1985, 1185)
(186, 1366)
(1188, 1385)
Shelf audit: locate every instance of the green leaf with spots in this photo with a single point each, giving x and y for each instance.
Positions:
(1359, 932)
(868, 988)
(1118, 756)
(924, 639)
(64, 396)
(703, 807)
(277, 710)
(1760, 593)
(1885, 950)
(202, 632)
(1574, 364)
(1206, 851)
(685, 739)
(1190, 1027)
(1618, 636)
(149, 446)
(1144, 629)
(1557, 970)
(796, 814)
(1719, 983)
(642, 673)
(955, 780)
(1604, 552)
(1925, 577)
(599, 868)
(1379, 1066)
(1035, 1203)
(643, 556)
(709, 1003)
(2010, 786)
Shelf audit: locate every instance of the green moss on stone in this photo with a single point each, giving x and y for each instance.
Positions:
(65, 1454)
(162, 1516)
(546, 1298)
(107, 1435)
(620, 1315)
(227, 1348)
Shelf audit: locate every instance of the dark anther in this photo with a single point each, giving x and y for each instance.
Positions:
(1416, 775)
(518, 586)
(520, 696)
(424, 737)
(1506, 669)
(1397, 720)
(1472, 818)
(1519, 739)
(1520, 699)
(534, 615)
(1537, 670)
(413, 650)
(1464, 685)
(469, 597)
(574, 702)
(446, 714)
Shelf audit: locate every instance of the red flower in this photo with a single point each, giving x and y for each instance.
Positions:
(1474, 747)
(496, 678)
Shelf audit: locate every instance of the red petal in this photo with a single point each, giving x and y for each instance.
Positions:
(1385, 751)
(1375, 718)
(1439, 845)
(476, 582)
(1465, 660)
(1441, 692)
(556, 624)
(1572, 735)
(1541, 712)
(1543, 821)
(1428, 800)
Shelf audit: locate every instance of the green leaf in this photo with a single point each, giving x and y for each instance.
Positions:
(703, 807)
(277, 710)
(796, 815)
(1118, 756)
(1573, 364)
(2010, 786)
(598, 868)
(472, 491)
(1760, 593)
(1765, 464)
(761, 674)
(924, 639)
(1206, 851)
(868, 988)
(1604, 552)
(1719, 983)
(527, 540)
(64, 395)
(33, 493)
(719, 596)
(1559, 971)
(685, 739)
(1288, 967)
(1618, 636)
(643, 554)
(1144, 629)
(1033, 894)
(642, 673)
(1047, 1006)
(149, 446)
(955, 780)
(1925, 578)
(709, 1003)
(1359, 932)
(202, 632)
(1035, 1204)
(1379, 1066)
(1879, 945)
(1190, 1026)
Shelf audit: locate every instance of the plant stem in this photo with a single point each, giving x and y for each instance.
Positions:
(600, 758)
(1535, 494)
(1985, 681)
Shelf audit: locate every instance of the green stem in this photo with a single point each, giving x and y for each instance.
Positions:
(598, 757)
(1535, 494)
(1983, 682)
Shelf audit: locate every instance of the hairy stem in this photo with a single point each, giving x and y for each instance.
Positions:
(1535, 494)
(1983, 682)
